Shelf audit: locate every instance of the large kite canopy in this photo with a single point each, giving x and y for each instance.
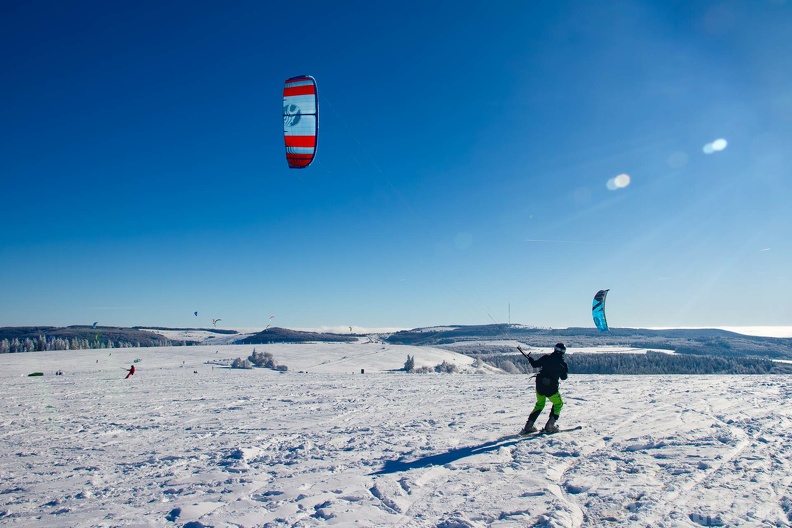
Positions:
(598, 310)
(300, 120)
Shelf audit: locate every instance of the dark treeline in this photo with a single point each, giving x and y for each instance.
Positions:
(649, 363)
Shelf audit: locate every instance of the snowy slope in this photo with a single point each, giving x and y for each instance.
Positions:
(203, 336)
(188, 443)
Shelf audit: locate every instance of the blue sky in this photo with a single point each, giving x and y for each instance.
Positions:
(462, 173)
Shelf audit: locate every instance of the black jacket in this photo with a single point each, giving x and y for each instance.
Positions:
(552, 367)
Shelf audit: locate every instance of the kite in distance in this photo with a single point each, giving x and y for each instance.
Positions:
(300, 120)
(94, 325)
(598, 310)
(196, 314)
(215, 321)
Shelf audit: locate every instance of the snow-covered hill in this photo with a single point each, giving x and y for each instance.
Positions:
(185, 442)
(196, 335)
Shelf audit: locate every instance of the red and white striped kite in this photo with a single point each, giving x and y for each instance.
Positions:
(300, 120)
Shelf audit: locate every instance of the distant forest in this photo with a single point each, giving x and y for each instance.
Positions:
(649, 363)
(43, 344)
(47, 338)
(41, 339)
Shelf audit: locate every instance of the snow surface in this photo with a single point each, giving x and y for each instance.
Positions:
(188, 443)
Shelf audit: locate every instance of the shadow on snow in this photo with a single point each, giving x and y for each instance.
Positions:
(440, 459)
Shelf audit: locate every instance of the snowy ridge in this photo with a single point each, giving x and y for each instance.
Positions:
(464, 346)
(184, 441)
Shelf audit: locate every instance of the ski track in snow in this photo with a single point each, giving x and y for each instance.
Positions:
(185, 441)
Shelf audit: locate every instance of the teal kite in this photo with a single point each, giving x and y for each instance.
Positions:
(598, 310)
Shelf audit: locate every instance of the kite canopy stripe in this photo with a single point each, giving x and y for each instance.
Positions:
(300, 120)
(301, 141)
(598, 310)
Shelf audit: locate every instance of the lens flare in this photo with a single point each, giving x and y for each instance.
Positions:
(619, 182)
(715, 146)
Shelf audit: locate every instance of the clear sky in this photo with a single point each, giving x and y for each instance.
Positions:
(477, 162)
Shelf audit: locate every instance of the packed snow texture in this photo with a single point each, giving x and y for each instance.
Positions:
(186, 442)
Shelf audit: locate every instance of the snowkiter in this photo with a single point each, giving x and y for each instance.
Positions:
(552, 368)
(131, 371)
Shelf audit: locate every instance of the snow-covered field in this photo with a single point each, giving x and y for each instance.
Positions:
(187, 443)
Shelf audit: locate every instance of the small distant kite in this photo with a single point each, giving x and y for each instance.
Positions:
(300, 120)
(94, 325)
(196, 314)
(598, 310)
(215, 321)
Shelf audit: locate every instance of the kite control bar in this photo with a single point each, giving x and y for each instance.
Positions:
(527, 356)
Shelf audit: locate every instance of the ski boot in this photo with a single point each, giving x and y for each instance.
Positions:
(550, 426)
(528, 429)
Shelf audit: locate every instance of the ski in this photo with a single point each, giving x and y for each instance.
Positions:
(542, 431)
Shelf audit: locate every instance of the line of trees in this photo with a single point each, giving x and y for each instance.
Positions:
(649, 363)
(44, 344)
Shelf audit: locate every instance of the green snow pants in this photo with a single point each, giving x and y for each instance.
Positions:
(555, 399)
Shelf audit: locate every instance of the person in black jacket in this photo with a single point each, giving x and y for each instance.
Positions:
(552, 368)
